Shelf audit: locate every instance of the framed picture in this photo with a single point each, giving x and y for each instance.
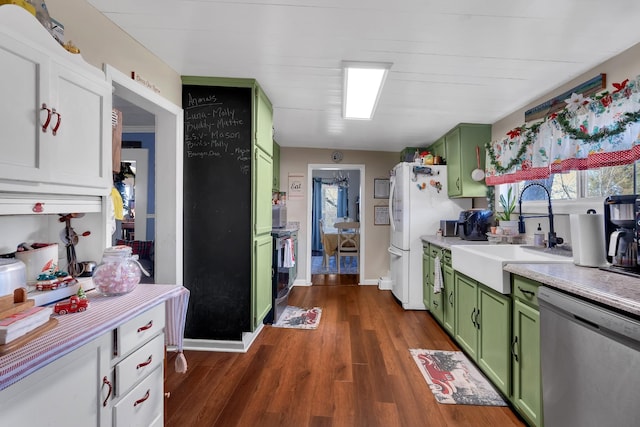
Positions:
(381, 215)
(380, 188)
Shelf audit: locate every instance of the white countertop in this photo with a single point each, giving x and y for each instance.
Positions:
(76, 329)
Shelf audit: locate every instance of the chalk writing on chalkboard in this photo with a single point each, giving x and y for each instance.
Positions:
(217, 126)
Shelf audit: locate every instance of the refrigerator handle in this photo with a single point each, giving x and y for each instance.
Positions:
(391, 191)
(393, 251)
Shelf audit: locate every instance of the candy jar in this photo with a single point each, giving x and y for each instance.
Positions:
(118, 273)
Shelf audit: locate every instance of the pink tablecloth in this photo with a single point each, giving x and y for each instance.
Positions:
(74, 330)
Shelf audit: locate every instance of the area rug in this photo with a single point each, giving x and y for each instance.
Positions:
(453, 379)
(299, 318)
(348, 266)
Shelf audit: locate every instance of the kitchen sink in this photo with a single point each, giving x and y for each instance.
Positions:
(485, 263)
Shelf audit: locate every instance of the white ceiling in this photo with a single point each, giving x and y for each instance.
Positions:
(453, 61)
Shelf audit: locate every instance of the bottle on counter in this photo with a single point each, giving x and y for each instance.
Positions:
(538, 237)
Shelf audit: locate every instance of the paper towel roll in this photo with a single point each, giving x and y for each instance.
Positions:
(588, 240)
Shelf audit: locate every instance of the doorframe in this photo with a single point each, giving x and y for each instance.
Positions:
(168, 240)
(336, 167)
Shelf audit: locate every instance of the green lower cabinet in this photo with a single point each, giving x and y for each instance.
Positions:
(426, 274)
(448, 299)
(483, 329)
(525, 347)
(437, 305)
(494, 338)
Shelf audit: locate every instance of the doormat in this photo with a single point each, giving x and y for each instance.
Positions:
(453, 379)
(299, 318)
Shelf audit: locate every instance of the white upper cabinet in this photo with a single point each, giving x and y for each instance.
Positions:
(54, 113)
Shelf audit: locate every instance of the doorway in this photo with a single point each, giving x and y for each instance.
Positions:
(167, 124)
(339, 190)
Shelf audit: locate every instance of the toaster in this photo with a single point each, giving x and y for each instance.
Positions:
(474, 224)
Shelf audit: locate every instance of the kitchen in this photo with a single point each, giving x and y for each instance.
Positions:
(377, 163)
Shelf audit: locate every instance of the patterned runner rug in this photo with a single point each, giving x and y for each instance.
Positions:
(299, 318)
(453, 379)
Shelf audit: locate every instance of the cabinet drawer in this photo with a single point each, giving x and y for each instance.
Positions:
(142, 405)
(435, 251)
(138, 364)
(139, 330)
(525, 290)
(425, 249)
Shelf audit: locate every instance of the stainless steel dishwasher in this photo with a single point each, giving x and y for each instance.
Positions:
(590, 359)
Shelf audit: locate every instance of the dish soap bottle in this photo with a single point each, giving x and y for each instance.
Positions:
(538, 237)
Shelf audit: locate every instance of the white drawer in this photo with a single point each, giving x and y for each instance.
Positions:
(143, 405)
(139, 364)
(137, 331)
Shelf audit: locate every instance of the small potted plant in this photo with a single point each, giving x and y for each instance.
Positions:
(508, 205)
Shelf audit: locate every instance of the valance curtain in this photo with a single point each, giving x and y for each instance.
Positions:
(589, 133)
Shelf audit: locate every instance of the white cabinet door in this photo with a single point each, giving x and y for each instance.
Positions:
(79, 153)
(68, 392)
(21, 87)
(55, 113)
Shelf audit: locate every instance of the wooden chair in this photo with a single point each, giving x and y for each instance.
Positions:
(348, 242)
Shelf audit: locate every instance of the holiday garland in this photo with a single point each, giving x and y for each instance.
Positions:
(562, 118)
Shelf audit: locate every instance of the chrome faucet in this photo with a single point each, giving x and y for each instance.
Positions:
(552, 239)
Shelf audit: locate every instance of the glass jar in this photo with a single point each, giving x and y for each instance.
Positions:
(118, 273)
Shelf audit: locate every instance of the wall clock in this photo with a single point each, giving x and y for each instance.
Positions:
(336, 156)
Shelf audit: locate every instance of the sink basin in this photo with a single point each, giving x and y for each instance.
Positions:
(485, 263)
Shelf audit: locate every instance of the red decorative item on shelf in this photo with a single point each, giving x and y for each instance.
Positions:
(72, 305)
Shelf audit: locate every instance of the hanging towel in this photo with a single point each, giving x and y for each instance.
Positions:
(289, 257)
(437, 275)
(176, 312)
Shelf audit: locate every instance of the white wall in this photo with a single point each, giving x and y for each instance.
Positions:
(101, 41)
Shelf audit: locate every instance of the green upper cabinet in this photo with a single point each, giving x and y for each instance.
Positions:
(276, 166)
(263, 119)
(460, 144)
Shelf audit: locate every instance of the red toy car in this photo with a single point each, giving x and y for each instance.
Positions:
(71, 306)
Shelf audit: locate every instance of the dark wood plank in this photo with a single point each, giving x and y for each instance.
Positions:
(354, 370)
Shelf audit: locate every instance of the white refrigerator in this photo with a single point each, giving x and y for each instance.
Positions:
(417, 202)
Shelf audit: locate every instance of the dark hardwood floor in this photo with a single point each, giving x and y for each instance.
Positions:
(355, 370)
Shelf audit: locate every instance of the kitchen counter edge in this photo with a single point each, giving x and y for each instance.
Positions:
(447, 242)
(610, 289)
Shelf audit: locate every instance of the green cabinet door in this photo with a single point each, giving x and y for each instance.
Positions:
(426, 274)
(527, 384)
(461, 143)
(437, 305)
(276, 167)
(494, 337)
(448, 299)
(261, 292)
(263, 121)
(466, 331)
(262, 173)
(452, 141)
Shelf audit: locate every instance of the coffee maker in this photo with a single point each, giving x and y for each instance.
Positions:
(621, 216)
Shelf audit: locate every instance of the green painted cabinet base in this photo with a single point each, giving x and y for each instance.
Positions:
(483, 328)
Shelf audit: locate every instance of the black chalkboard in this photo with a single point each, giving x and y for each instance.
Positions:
(217, 210)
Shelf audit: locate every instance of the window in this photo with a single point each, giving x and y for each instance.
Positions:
(573, 185)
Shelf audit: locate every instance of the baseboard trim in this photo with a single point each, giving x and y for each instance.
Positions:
(227, 346)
